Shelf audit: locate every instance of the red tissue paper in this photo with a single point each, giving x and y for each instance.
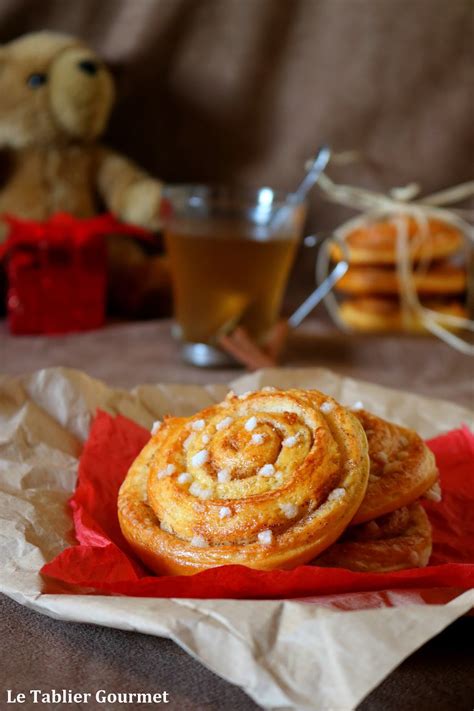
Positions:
(102, 560)
(57, 272)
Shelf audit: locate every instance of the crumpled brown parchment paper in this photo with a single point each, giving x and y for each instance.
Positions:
(284, 654)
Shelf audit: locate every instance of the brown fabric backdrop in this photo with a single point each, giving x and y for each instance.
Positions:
(244, 90)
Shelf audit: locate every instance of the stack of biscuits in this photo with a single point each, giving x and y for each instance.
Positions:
(371, 286)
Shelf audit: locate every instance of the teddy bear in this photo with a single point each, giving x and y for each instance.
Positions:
(56, 96)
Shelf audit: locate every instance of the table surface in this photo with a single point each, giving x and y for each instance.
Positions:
(137, 353)
(38, 652)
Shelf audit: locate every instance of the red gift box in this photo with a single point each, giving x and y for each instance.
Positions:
(57, 272)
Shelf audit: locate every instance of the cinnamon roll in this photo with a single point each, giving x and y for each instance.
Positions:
(399, 540)
(402, 468)
(268, 480)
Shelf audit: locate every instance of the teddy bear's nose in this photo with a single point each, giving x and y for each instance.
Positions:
(88, 66)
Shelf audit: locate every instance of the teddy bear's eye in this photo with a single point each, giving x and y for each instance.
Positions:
(36, 80)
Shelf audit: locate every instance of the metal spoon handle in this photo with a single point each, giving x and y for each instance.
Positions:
(318, 294)
(312, 174)
(316, 168)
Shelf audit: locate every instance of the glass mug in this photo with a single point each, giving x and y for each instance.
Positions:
(231, 252)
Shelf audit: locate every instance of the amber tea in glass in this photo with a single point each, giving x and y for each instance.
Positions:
(231, 253)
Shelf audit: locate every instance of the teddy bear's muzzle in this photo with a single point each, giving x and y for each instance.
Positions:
(81, 93)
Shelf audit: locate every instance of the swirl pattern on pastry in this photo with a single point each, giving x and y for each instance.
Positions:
(268, 480)
(402, 468)
(399, 540)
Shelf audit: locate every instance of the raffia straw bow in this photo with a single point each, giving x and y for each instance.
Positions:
(401, 203)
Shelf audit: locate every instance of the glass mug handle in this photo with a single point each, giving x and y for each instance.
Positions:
(325, 278)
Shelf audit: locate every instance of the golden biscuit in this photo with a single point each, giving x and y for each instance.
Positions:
(376, 243)
(437, 280)
(384, 315)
